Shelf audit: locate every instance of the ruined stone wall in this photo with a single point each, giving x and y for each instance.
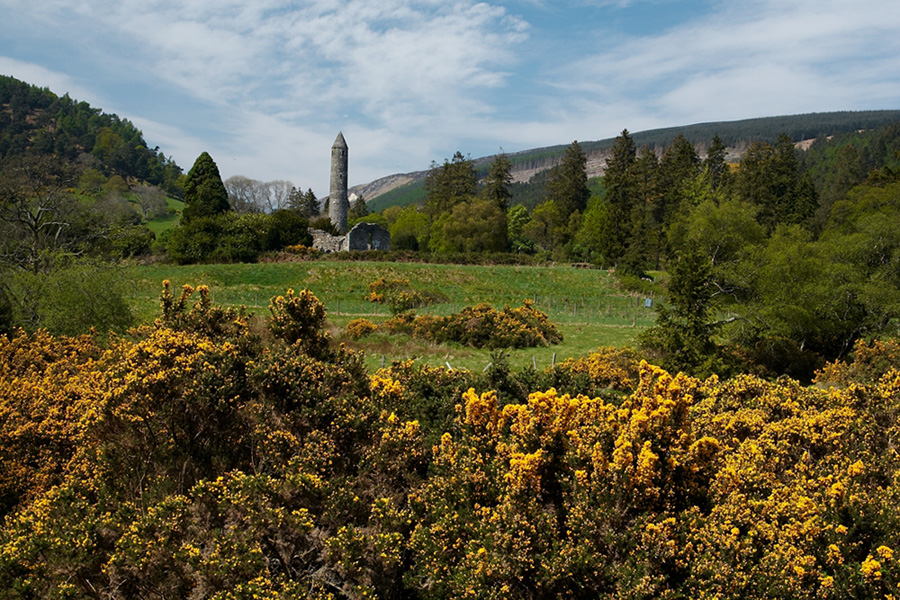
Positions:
(364, 236)
(326, 242)
(368, 236)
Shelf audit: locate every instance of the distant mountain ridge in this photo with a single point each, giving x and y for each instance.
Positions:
(737, 136)
(35, 120)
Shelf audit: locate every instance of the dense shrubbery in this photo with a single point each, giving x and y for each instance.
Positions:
(202, 457)
(360, 328)
(482, 326)
(230, 237)
(398, 295)
(74, 296)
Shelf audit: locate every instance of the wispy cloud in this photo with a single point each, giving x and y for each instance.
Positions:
(757, 58)
(265, 85)
(403, 67)
(47, 78)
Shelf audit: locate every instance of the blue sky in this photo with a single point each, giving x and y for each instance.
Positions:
(265, 86)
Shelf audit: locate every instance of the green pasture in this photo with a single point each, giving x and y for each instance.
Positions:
(169, 221)
(585, 304)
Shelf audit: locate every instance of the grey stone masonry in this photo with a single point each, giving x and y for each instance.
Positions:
(368, 236)
(326, 242)
(364, 236)
(338, 202)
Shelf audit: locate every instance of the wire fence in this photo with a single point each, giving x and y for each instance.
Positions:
(609, 310)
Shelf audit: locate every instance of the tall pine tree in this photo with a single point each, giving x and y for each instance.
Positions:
(715, 165)
(496, 184)
(567, 185)
(449, 184)
(621, 192)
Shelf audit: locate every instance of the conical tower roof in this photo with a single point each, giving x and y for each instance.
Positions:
(339, 141)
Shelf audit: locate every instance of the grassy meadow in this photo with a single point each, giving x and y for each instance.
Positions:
(160, 224)
(584, 303)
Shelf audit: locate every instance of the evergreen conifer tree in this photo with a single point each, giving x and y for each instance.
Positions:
(449, 184)
(204, 192)
(358, 209)
(496, 185)
(620, 187)
(567, 185)
(684, 329)
(715, 164)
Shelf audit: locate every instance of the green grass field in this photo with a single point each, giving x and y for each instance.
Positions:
(169, 221)
(584, 303)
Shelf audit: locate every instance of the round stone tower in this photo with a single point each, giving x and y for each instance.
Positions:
(338, 202)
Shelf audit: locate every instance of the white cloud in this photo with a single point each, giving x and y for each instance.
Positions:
(264, 86)
(752, 59)
(56, 82)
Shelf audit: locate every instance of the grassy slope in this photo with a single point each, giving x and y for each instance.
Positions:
(161, 224)
(585, 305)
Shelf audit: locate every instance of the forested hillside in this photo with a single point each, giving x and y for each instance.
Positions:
(79, 188)
(37, 121)
(736, 135)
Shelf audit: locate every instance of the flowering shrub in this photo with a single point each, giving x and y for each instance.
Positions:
(614, 368)
(298, 319)
(870, 361)
(398, 295)
(303, 251)
(482, 326)
(360, 328)
(191, 460)
(201, 317)
(46, 384)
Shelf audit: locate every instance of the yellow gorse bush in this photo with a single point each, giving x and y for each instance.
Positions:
(482, 326)
(359, 328)
(194, 458)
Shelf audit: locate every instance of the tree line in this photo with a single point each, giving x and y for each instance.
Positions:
(758, 252)
(767, 239)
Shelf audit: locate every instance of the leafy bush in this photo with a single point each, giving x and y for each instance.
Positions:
(73, 297)
(230, 237)
(288, 228)
(194, 460)
(6, 311)
(127, 242)
(359, 328)
(482, 326)
(398, 295)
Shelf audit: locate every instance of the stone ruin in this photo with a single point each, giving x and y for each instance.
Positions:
(364, 236)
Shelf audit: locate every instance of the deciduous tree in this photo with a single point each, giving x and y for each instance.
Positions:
(38, 209)
(478, 225)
